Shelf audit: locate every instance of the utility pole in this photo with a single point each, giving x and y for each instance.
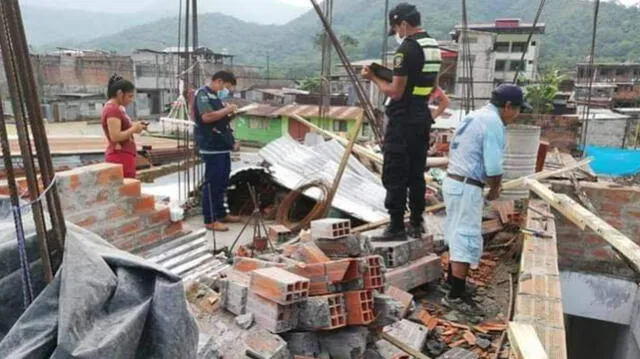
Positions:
(187, 54)
(196, 69)
(268, 69)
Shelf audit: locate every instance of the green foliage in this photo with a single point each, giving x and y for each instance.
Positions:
(541, 95)
(311, 84)
(566, 40)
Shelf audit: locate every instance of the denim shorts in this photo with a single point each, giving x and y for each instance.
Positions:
(463, 224)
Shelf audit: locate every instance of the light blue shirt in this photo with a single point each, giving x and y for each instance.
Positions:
(477, 149)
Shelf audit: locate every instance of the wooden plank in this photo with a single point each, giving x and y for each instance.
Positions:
(552, 198)
(524, 341)
(583, 218)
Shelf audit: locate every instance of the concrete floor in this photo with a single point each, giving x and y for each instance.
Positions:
(226, 238)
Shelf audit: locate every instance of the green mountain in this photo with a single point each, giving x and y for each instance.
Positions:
(292, 52)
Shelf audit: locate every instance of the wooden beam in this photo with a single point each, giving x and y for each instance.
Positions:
(524, 341)
(583, 218)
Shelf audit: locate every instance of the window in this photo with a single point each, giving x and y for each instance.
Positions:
(501, 65)
(366, 129)
(339, 126)
(517, 65)
(259, 123)
(518, 47)
(533, 43)
(501, 47)
(92, 106)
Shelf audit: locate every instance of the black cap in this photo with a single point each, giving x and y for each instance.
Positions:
(402, 11)
(510, 93)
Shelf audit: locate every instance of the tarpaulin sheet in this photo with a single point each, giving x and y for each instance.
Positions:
(102, 303)
(614, 161)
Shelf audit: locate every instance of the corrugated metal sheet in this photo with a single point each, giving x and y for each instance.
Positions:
(360, 193)
(335, 112)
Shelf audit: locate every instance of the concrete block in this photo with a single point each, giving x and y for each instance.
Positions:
(323, 313)
(272, 316)
(359, 307)
(306, 252)
(244, 321)
(330, 228)
(413, 334)
(414, 274)
(131, 187)
(387, 310)
(279, 285)
(303, 343)
(345, 343)
(458, 353)
(234, 290)
(404, 298)
(346, 246)
(264, 345)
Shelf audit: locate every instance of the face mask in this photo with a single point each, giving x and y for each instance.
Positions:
(399, 39)
(224, 93)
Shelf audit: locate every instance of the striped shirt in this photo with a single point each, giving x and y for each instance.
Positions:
(477, 149)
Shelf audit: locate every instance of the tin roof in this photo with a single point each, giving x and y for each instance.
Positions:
(360, 193)
(335, 112)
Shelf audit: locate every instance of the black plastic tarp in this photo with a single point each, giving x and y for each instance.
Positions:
(102, 303)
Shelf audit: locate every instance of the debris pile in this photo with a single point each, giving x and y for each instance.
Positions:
(326, 297)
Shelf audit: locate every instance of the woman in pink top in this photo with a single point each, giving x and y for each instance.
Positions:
(118, 127)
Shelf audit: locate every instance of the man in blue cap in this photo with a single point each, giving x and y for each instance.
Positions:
(475, 161)
(416, 65)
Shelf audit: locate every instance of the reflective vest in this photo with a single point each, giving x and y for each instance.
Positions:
(432, 64)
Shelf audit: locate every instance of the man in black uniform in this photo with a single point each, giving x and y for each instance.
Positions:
(415, 73)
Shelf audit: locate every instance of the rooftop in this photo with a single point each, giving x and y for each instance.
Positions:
(506, 26)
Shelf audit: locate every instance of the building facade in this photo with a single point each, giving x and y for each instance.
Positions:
(613, 84)
(497, 59)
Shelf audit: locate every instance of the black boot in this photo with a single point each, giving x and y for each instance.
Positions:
(394, 232)
(416, 228)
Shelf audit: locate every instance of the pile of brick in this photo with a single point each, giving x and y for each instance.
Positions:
(325, 297)
(100, 199)
(480, 276)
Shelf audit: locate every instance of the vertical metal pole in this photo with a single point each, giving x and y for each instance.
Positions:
(591, 71)
(23, 137)
(25, 70)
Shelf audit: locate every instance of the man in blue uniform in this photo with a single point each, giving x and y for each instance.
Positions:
(415, 74)
(215, 142)
(475, 161)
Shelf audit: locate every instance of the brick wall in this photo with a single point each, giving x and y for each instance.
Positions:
(562, 132)
(606, 133)
(586, 250)
(98, 198)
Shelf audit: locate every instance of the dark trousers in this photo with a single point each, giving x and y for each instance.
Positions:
(405, 157)
(217, 171)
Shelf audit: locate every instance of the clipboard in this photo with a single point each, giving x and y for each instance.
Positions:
(382, 72)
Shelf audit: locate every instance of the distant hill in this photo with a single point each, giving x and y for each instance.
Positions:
(75, 22)
(292, 53)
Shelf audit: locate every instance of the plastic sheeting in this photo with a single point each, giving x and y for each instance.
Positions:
(614, 161)
(102, 303)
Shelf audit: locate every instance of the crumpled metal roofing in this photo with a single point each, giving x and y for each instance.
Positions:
(360, 193)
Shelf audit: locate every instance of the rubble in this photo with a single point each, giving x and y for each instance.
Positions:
(346, 343)
(263, 345)
(303, 343)
(412, 334)
(387, 309)
(245, 321)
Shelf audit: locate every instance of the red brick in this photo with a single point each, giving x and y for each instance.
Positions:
(359, 307)
(337, 270)
(150, 238)
(87, 222)
(144, 204)
(594, 240)
(126, 244)
(244, 264)
(101, 197)
(173, 229)
(373, 275)
(279, 285)
(108, 174)
(74, 182)
(116, 212)
(160, 216)
(617, 196)
(571, 251)
(603, 254)
(131, 188)
(609, 209)
(130, 227)
(616, 223)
